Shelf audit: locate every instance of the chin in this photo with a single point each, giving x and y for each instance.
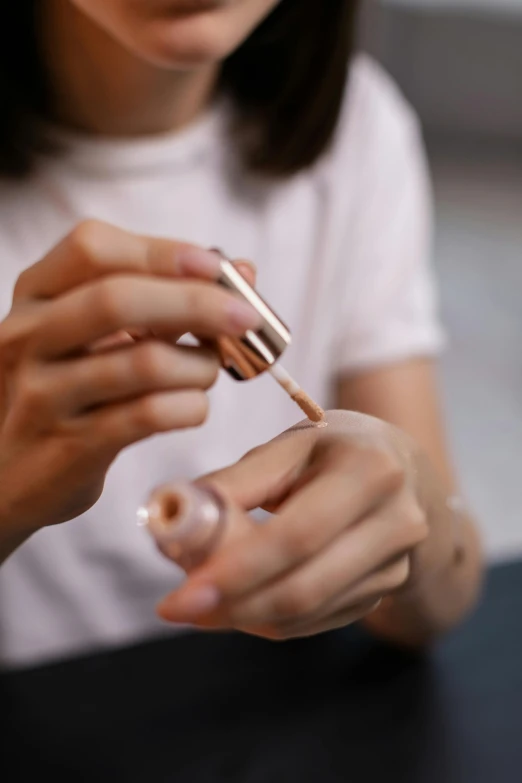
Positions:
(177, 33)
(187, 43)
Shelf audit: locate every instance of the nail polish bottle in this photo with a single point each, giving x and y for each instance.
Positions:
(185, 520)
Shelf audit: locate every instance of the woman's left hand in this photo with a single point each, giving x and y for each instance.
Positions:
(347, 526)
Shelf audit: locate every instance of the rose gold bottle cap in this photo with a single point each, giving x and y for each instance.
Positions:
(248, 356)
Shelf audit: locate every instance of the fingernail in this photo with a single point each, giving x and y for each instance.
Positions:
(191, 603)
(242, 315)
(200, 262)
(246, 268)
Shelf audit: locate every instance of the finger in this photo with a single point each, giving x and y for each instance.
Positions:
(236, 527)
(117, 426)
(135, 370)
(342, 492)
(333, 622)
(383, 582)
(113, 341)
(345, 573)
(346, 616)
(94, 311)
(301, 598)
(95, 249)
(248, 270)
(266, 473)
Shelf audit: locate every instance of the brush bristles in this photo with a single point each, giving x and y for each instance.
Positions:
(310, 408)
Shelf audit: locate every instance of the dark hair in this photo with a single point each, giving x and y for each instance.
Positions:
(286, 82)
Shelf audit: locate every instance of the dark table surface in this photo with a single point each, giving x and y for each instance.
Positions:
(340, 707)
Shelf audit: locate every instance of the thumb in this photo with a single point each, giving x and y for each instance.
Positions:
(266, 475)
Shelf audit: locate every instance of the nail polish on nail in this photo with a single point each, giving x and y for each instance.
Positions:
(246, 268)
(192, 603)
(242, 315)
(197, 261)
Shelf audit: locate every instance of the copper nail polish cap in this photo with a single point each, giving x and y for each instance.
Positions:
(248, 356)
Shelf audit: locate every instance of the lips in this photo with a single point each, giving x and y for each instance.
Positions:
(193, 6)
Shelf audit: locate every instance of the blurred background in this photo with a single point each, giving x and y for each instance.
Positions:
(459, 62)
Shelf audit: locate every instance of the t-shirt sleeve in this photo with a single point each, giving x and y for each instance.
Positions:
(388, 309)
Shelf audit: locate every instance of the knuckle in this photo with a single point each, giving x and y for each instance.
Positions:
(21, 285)
(108, 377)
(31, 393)
(195, 300)
(212, 371)
(86, 240)
(111, 301)
(149, 415)
(15, 334)
(200, 408)
(205, 303)
(397, 575)
(149, 362)
(72, 445)
(415, 523)
(337, 450)
(8, 345)
(388, 473)
(300, 544)
(293, 602)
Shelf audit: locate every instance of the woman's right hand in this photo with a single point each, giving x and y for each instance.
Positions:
(69, 405)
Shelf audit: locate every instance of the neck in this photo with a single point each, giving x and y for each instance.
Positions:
(100, 87)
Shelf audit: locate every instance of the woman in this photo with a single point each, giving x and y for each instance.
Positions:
(247, 125)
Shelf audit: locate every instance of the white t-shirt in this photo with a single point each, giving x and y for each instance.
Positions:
(343, 255)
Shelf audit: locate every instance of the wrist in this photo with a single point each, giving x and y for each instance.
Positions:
(439, 549)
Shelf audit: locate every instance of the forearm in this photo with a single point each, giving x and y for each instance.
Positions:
(446, 571)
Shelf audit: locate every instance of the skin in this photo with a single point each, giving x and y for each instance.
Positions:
(363, 529)
(77, 388)
(127, 67)
(362, 532)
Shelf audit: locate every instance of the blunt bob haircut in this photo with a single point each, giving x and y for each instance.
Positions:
(286, 83)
